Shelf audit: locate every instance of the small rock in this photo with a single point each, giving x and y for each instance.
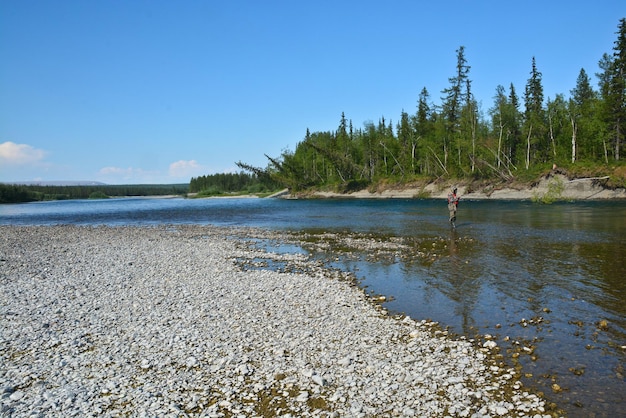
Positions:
(244, 369)
(490, 344)
(500, 410)
(17, 395)
(319, 380)
(346, 361)
(408, 412)
(225, 404)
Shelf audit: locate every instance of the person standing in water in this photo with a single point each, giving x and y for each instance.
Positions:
(453, 202)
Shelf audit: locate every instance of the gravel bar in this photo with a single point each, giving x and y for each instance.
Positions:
(163, 321)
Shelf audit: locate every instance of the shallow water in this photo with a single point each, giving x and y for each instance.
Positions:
(544, 277)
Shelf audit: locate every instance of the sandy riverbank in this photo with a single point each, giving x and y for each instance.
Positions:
(557, 187)
(164, 321)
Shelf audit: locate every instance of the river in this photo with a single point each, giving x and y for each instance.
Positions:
(548, 282)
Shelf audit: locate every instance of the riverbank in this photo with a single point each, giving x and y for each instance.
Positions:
(554, 186)
(165, 321)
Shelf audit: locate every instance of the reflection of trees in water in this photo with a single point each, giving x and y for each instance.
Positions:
(498, 278)
(539, 273)
(607, 263)
(459, 279)
(523, 271)
(539, 268)
(603, 266)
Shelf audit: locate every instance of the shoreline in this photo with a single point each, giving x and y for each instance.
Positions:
(553, 187)
(165, 321)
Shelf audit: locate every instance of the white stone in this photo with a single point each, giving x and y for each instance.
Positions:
(17, 395)
(490, 344)
(500, 410)
(319, 380)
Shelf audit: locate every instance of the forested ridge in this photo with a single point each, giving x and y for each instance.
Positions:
(519, 137)
(14, 193)
(221, 183)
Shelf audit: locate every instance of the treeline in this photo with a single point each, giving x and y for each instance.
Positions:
(216, 184)
(14, 193)
(516, 137)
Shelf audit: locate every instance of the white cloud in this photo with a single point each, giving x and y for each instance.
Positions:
(187, 169)
(20, 154)
(179, 171)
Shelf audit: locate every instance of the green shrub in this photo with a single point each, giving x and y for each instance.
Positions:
(98, 195)
(556, 187)
(211, 191)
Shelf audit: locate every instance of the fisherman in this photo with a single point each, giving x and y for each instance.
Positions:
(453, 202)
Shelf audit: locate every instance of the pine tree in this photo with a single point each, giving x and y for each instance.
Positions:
(423, 130)
(342, 133)
(604, 83)
(423, 113)
(469, 125)
(613, 90)
(505, 127)
(453, 102)
(581, 114)
(558, 126)
(514, 140)
(498, 121)
(534, 118)
(406, 138)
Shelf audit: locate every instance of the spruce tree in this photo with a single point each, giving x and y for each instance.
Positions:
(581, 114)
(498, 122)
(453, 103)
(613, 87)
(534, 118)
(423, 131)
(514, 140)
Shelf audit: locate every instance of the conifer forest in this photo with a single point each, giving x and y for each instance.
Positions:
(519, 136)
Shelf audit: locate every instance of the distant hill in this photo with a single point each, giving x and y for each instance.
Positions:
(62, 190)
(56, 183)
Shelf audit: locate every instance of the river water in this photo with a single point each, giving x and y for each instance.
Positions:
(548, 282)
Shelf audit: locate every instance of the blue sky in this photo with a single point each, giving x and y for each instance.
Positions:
(129, 91)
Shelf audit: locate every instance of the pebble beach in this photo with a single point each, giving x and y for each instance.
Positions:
(164, 322)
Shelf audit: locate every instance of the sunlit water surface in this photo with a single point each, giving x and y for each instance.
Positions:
(549, 277)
